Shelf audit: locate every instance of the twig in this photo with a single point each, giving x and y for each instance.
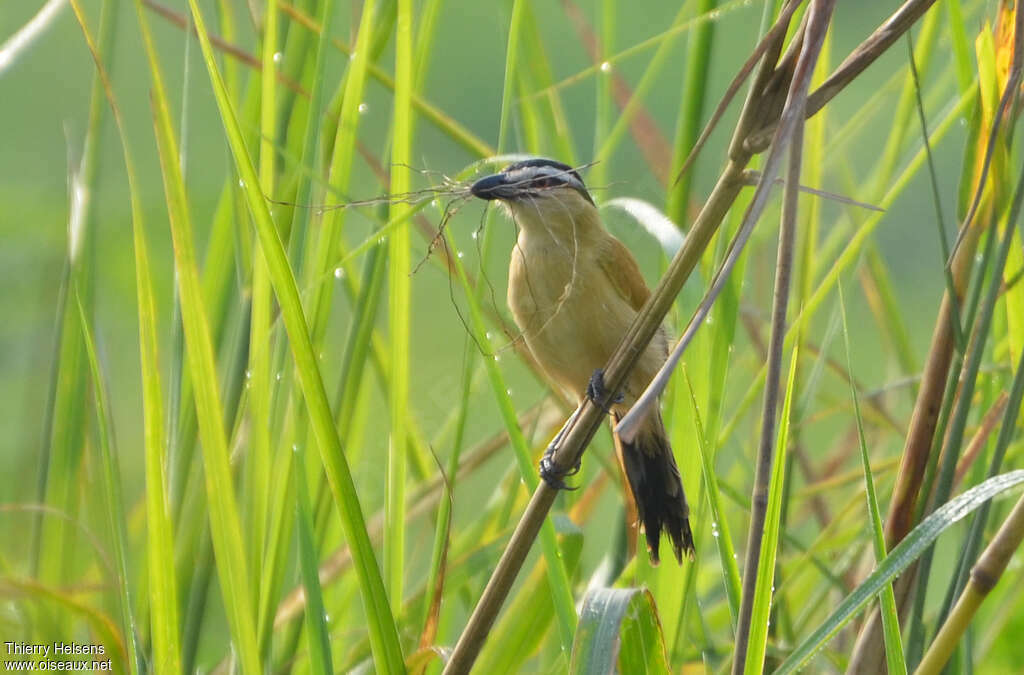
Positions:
(859, 59)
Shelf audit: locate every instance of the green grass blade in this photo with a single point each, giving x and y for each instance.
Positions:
(161, 581)
(163, 601)
(279, 529)
(761, 612)
(899, 558)
(111, 479)
(78, 294)
(342, 159)
(225, 523)
(603, 102)
(316, 619)
(311, 134)
(961, 46)
(691, 109)
(399, 303)
(894, 656)
(382, 630)
(720, 530)
(259, 389)
(619, 631)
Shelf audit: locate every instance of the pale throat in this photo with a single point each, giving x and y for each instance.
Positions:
(564, 221)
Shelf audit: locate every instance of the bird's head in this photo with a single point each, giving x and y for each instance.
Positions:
(537, 188)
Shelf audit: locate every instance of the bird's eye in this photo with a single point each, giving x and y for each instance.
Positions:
(542, 183)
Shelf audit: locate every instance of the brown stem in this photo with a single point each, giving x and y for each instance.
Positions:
(790, 132)
(929, 399)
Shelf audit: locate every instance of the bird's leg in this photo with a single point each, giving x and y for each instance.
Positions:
(548, 473)
(597, 393)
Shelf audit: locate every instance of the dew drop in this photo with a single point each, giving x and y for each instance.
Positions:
(241, 183)
(295, 447)
(488, 335)
(475, 235)
(278, 56)
(278, 377)
(362, 108)
(606, 67)
(248, 374)
(460, 254)
(338, 272)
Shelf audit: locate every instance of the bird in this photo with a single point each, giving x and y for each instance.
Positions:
(574, 289)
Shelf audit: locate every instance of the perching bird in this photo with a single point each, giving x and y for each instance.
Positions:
(574, 290)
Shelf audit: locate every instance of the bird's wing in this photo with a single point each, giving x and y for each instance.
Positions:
(620, 267)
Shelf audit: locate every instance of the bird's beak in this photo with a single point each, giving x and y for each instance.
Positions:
(496, 186)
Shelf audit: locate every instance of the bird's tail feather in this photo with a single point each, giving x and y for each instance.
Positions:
(657, 489)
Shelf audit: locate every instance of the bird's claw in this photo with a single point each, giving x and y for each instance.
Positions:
(597, 392)
(550, 474)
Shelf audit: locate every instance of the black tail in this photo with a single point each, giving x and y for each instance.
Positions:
(654, 480)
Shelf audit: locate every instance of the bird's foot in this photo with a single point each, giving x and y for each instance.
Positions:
(550, 474)
(597, 392)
